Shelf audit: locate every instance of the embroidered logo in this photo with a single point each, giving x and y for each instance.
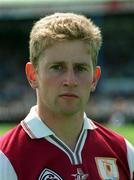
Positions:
(107, 168)
(49, 174)
(80, 175)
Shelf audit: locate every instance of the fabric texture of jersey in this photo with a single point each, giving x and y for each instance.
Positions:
(32, 151)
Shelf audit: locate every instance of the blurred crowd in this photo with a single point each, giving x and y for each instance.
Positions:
(113, 100)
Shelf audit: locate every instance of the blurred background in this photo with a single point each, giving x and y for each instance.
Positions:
(113, 100)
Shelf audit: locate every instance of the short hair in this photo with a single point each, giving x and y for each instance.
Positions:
(63, 26)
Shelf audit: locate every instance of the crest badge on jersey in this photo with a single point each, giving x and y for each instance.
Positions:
(49, 174)
(80, 175)
(107, 168)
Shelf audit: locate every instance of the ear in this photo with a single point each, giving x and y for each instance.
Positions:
(96, 77)
(31, 75)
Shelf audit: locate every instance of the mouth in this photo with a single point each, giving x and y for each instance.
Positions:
(69, 96)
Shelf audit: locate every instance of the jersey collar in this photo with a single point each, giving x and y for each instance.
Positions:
(36, 128)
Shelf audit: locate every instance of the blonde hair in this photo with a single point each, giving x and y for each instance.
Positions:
(63, 26)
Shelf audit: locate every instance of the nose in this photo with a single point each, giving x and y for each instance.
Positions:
(70, 79)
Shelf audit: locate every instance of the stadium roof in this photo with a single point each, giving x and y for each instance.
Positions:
(14, 2)
(57, 1)
(34, 8)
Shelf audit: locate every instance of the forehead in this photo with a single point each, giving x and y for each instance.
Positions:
(67, 51)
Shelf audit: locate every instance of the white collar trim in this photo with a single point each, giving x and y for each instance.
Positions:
(36, 128)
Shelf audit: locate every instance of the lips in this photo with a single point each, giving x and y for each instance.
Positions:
(68, 95)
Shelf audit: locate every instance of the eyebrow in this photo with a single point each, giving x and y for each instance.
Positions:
(75, 63)
(83, 64)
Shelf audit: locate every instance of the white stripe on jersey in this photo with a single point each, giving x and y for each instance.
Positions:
(6, 169)
(130, 157)
(74, 156)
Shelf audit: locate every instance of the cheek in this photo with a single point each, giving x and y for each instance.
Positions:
(49, 83)
(86, 81)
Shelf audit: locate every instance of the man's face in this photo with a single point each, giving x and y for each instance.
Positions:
(65, 78)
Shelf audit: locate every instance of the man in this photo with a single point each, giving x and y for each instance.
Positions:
(57, 140)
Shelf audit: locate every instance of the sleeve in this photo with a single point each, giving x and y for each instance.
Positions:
(6, 169)
(130, 156)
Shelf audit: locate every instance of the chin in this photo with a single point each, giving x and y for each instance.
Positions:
(70, 112)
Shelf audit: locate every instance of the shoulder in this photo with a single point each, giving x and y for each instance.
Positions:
(109, 138)
(110, 141)
(7, 142)
(12, 139)
(117, 143)
(108, 133)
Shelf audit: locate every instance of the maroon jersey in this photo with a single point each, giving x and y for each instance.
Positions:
(32, 151)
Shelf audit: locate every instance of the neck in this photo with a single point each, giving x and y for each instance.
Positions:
(65, 127)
